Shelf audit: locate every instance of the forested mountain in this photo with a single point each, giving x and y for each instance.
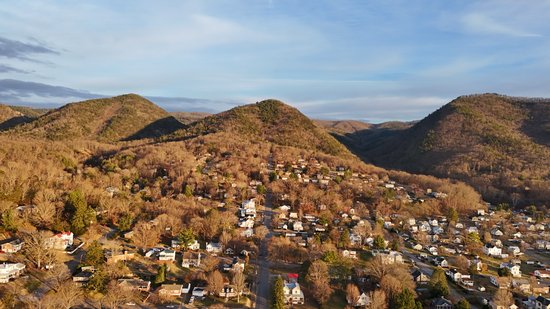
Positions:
(271, 121)
(111, 119)
(498, 144)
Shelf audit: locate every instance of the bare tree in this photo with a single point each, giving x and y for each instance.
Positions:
(68, 295)
(215, 282)
(238, 282)
(377, 300)
(38, 250)
(352, 294)
(145, 235)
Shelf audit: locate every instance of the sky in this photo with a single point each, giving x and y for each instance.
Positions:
(332, 59)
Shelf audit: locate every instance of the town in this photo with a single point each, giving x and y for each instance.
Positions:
(301, 233)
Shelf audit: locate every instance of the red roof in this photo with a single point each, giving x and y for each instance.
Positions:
(292, 276)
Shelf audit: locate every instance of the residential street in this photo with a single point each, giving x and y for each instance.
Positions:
(263, 279)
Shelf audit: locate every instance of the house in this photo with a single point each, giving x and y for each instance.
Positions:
(362, 301)
(229, 251)
(213, 247)
(247, 233)
(114, 256)
(514, 250)
(297, 226)
(441, 303)
(10, 271)
(83, 276)
(167, 255)
(390, 257)
(11, 245)
(419, 277)
(60, 241)
(492, 250)
(352, 254)
(292, 293)
(477, 264)
(513, 268)
(417, 247)
(191, 259)
(228, 291)
(440, 261)
(171, 290)
(355, 240)
(134, 284)
(194, 245)
(542, 273)
(496, 232)
(522, 284)
(199, 292)
(433, 250)
(246, 223)
(284, 208)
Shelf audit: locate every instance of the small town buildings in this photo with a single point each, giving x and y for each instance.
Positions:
(167, 255)
(492, 250)
(191, 259)
(11, 245)
(513, 268)
(171, 290)
(419, 277)
(61, 241)
(389, 257)
(10, 271)
(135, 284)
(213, 247)
(293, 294)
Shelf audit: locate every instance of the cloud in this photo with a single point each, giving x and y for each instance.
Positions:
(8, 69)
(483, 24)
(193, 104)
(17, 91)
(22, 50)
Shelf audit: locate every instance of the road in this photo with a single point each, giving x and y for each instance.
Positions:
(263, 283)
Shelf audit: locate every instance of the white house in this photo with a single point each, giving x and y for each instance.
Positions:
(213, 247)
(492, 250)
(167, 255)
(513, 268)
(496, 232)
(194, 245)
(293, 294)
(191, 259)
(10, 271)
(61, 241)
(514, 250)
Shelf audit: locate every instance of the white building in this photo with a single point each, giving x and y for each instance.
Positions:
(10, 271)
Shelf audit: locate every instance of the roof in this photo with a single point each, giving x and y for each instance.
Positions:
(441, 301)
(543, 300)
(172, 287)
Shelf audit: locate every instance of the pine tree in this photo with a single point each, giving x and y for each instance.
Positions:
(188, 191)
(161, 275)
(379, 242)
(278, 294)
(82, 214)
(95, 255)
(462, 304)
(186, 237)
(405, 300)
(438, 283)
(9, 221)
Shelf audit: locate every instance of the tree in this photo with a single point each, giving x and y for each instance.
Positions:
(186, 237)
(452, 215)
(504, 272)
(38, 249)
(95, 255)
(9, 221)
(261, 231)
(377, 268)
(278, 294)
(379, 242)
(462, 263)
(67, 295)
(238, 282)
(188, 191)
(405, 300)
(125, 222)
(98, 282)
(378, 300)
(145, 235)
(81, 215)
(116, 297)
(344, 239)
(215, 282)
(462, 304)
(503, 297)
(352, 294)
(317, 276)
(438, 283)
(161, 275)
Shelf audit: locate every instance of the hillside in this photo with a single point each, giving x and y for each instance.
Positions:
(271, 121)
(498, 144)
(110, 119)
(30, 112)
(189, 117)
(10, 117)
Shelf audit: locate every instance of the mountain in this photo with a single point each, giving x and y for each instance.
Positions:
(30, 112)
(9, 117)
(110, 119)
(498, 144)
(189, 117)
(343, 126)
(268, 120)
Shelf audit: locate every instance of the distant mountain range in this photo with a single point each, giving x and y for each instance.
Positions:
(498, 144)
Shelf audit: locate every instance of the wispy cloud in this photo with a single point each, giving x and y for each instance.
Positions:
(22, 50)
(9, 69)
(484, 24)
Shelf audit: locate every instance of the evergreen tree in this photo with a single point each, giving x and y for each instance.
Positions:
(405, 300)
(379, 242)
(98, 282)
(438, 283)
(9, 221)
(188, 191)
(186, 237)
(161, 275)
(278, 294)
(95, 255)
(82, 214)
(125, 222)
(462, 304)
(452, 216)
(344, 239)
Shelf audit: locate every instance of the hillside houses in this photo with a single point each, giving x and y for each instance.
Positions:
(10, 271)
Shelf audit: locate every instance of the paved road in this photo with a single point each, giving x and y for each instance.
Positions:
(263, 283)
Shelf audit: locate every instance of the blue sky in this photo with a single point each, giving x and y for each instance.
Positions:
(367, 60)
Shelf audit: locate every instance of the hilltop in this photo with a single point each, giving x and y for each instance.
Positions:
(498, 144)
(9, 117)
(110, 119)
(271, 121)
(189, 117)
